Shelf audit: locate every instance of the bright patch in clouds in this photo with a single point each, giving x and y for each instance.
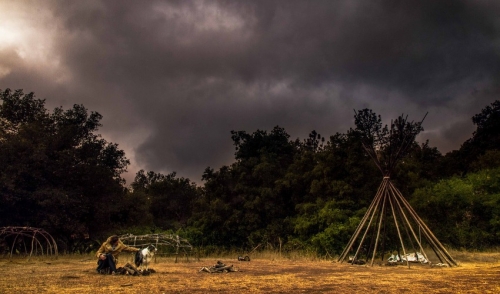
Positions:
(28, 33)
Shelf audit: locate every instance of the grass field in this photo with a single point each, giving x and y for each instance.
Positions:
(477, 273)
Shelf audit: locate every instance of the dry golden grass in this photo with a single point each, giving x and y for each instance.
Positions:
(477, 273)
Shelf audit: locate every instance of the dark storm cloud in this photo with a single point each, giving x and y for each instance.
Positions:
(173, 78)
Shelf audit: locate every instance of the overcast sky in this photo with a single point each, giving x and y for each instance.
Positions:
(173, 78)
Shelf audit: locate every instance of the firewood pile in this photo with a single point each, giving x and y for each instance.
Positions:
(219, 267)
(130, 269)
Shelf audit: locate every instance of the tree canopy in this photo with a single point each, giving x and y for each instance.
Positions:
(57, 172)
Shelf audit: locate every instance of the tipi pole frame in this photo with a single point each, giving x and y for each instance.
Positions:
(362, 223)
(397, 198)
(377, 214)
(430, 240)
(428, 232)
(395, 144)
(367, 229)
(382, 212)
(434, 247)
(399, 233)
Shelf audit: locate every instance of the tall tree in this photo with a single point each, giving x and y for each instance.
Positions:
(170, 198)
(485, 138)
(242, 204)
(263, 159)
(57, 173)
(487, 134)
(217, 213)
(331, 189)
(463, 210)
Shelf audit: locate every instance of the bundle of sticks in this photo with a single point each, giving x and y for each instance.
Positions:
(219, 267)
(130, 269)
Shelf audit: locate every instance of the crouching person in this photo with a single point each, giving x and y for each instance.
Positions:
(108, 254)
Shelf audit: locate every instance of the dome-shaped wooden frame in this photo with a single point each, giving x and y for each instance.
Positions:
(28, 241)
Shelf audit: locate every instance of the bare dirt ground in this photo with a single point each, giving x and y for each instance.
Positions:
(76, 274)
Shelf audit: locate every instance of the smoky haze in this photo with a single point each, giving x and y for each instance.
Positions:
(173, 78)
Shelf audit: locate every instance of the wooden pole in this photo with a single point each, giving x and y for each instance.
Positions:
(361, 224)
(427, 232)
(374, 211)
(379, 225)
(396, 196)
(431, 241)
(399, 233)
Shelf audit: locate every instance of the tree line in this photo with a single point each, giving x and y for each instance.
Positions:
(59, 174)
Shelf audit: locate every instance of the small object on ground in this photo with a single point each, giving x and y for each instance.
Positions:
(410, 257)
(126, 285)
(246, 258)
(148, 272)
(356, 261)
(439, 264)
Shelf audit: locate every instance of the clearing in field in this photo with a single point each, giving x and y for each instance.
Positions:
(477, 273)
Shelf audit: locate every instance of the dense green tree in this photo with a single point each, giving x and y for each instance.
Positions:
(57, 173)
(217, 214)
(134, 215)
(421, 167)
(340, 181)
(263, 159)
(489, 160)
(241, 204)
(385, 145)
(486, 137)
(145, 181)
(170, 198)
(463, 211)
